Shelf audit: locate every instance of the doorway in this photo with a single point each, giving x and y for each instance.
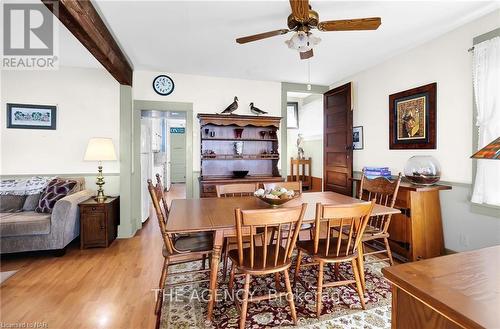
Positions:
(305, 131)
(162, 151)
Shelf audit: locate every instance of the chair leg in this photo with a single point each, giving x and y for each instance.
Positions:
(336, 270)
(358, 283)
(277, 282)
(231, 278)
(320, 290)
(203, 261)
(161, 286)
(224, 261)
(361, 266)
(244, 306)
(297, 268)
(389, 253)
(290, 297)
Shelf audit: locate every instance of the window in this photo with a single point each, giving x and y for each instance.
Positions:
(486, 83)
(292, 115)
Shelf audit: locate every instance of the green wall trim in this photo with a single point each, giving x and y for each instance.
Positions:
(285, 88)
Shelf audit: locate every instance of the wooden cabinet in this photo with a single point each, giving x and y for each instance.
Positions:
(99, 222)
(416, 233)
(237, 142)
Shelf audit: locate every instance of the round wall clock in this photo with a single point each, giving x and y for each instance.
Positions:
(163, 85)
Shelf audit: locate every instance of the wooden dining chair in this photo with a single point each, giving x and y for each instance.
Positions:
(177, 249)
(226, 191)
(235, 190)
(384, 192)
(264, 256)
(331, 246)
(301, 171)
(294, 186)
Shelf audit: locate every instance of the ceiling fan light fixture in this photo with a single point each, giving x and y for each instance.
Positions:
(302, 41)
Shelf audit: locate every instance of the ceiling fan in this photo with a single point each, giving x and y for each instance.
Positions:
(303, 19)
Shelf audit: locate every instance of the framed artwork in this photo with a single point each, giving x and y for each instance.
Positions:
(292, 115)
(412, 118)
(357, 138)
(26, 116)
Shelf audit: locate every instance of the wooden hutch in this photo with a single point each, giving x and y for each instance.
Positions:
(237, 143)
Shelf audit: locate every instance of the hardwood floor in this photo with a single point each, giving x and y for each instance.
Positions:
(92, 288)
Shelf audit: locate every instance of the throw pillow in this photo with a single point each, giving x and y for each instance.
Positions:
(31, 202)
(12, 203)
(55, 191)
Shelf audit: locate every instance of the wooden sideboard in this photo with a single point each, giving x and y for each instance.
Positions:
(416, 233)
(257, 138)
(454, 291)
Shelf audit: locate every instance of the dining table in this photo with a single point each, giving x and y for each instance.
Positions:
(218, 215)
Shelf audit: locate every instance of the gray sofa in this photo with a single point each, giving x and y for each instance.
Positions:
(30, 231)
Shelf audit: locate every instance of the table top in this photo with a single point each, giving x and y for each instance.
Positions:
(464, 287)
(205, 214)
(412, 187)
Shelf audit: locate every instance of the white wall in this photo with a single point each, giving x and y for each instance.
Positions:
(446, 61)
(210, 95)
(87, 103)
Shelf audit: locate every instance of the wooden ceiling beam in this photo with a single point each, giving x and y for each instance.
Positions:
(83, 21)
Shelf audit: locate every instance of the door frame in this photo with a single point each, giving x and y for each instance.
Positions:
(285, 88)
(166, 107)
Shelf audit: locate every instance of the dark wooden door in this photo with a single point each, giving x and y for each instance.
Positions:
(337, 140)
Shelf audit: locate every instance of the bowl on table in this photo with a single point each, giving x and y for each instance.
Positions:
(240, 173)
(276, 197)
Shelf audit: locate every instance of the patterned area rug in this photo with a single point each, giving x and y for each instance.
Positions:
(186, 306)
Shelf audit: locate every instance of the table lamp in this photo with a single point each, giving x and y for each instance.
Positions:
(100, 149)
(490, 151)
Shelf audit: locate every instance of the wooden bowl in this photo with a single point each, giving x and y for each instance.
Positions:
(277, 202)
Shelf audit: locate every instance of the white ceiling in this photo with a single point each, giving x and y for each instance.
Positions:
(198, 37)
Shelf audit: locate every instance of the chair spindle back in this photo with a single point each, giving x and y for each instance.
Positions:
(294, 186)
(162, 219)
(275, 252)
(160, 192)
(351, 220)
(235, 190)
(384, 192)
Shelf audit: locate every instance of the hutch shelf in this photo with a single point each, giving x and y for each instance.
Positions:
(237, 143)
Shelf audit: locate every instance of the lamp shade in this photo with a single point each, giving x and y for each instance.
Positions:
(100, 149)
(490, 151)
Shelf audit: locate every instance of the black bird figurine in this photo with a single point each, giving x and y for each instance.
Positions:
(256, 110)
(232, 107)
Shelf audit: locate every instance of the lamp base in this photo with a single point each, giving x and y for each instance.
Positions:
(100, 182)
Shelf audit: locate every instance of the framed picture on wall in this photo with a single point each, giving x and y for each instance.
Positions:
(357, 138)
(412, 118)
(27, 116)
(292, 115)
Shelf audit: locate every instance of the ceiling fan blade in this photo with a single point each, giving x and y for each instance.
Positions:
(306, 54)
(300, 9)
(260, 36)
(371, 23)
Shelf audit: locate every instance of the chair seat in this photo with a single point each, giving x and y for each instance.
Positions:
(372, 232)
(196, 242)
(259, 259)
(308, 247)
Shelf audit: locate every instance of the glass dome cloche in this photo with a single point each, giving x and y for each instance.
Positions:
(422, 170)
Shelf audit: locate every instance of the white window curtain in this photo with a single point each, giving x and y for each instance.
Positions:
(486, 79)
